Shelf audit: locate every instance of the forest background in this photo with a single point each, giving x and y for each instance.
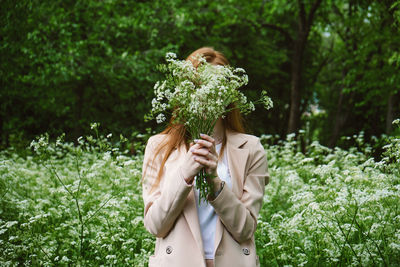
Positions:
(331, 67)
(81, 75)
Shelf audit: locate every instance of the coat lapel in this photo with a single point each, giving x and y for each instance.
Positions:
(192, 217)
(237, 158)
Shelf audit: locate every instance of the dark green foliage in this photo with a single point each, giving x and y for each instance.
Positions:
(64, 64)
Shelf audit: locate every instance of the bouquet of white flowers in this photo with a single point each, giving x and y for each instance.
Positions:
(198, 97)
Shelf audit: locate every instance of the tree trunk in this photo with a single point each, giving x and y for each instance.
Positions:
(3, 136)
(295, 87)
(79, 98)
(340, 119)
(390, 114)
(305, 23)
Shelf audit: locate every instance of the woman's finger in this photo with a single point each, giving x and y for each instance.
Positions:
(209, 145)
(208, 138)
(211, 140)
(195, 146)
(207, 163)
(201, 151)
(199, 145)
(203, 143)
(206, 153)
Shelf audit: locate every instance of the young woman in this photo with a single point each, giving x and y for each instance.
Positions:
(218, 233)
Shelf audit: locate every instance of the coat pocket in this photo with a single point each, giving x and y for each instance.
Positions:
(153, 261)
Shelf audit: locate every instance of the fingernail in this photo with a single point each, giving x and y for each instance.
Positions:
(195, 158)
(191, 150)
(195, 140)
(202, 134)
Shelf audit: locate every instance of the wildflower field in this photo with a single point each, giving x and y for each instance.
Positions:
(69, 205)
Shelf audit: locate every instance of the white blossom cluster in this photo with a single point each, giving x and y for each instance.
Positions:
(82, 206)
(330, 207)
(72, 206)
(198, 97)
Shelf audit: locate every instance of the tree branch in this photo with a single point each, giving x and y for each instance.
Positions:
(337, 27)
(337, 11)
(323, 63)
(274, 27)
(312, 11)
(261, 11)
(279, 29)
(302, 14)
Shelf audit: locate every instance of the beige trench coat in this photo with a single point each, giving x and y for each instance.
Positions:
(170, 211)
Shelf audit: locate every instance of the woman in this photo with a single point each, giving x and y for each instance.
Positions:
(218, 233)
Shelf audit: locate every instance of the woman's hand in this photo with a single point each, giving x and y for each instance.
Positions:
(206, 154)
(190, 167)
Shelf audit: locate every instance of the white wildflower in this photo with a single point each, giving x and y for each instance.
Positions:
(170, 56)
(94, 125)
(160, 118)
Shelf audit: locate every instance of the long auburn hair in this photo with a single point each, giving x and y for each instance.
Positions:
(176, 134)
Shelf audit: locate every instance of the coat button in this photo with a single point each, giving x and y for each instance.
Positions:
(168, 250)
(246, 251)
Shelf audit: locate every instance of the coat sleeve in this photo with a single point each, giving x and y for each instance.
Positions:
(162, 205)
(239, 216)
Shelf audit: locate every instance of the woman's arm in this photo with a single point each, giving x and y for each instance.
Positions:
(161, 208)
(240, 215)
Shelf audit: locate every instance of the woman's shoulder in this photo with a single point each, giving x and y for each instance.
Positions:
(156, 139)
(248, 139)
(252, 139)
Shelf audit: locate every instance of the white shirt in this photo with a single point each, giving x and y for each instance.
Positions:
(207, 215)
